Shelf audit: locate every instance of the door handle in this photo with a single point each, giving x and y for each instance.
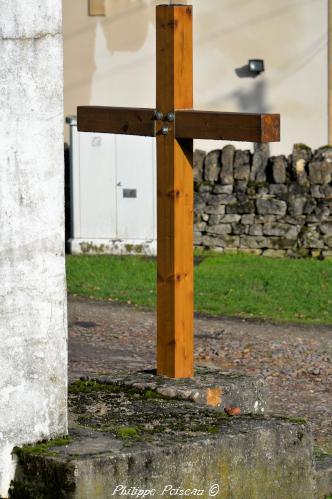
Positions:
(119, 184)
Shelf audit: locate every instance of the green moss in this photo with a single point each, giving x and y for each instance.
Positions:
(134, 248)
(107, 428)
(304, 147)
(129, 247)
(42, 447)
(257, 185)
(297, 420)
(126, 432)
(320, 453)
(213, 429)
(134, 425)
(302, 252)
(92, 248)
(294, 420)
(150, 394)
(91, 386)
(291, 419)
(42, 478)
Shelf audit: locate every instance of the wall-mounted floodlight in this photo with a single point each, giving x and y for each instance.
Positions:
(256, 66)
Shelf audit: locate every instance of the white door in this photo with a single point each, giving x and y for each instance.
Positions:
(97, 179)
(136, 187)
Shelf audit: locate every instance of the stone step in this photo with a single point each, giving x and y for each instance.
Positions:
(210, 387)
(127, 441)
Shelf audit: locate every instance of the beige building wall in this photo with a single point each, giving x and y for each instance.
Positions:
(111, 60)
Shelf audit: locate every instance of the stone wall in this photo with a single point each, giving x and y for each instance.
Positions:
(274, 206)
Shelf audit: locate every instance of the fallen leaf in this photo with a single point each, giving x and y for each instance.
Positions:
(232, 411)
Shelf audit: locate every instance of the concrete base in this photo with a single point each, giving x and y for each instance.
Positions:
(324, 476)
(112, 247)
(247, 458)
(137, 442)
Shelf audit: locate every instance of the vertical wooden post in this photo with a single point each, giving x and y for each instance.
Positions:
(175, 338)
(330, 72)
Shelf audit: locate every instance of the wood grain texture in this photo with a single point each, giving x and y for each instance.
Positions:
(227, 126)
(175, 338)
(97, 8)
(270, 124)
(120, 120)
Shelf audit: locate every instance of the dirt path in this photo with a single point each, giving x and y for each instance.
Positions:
(295, 360)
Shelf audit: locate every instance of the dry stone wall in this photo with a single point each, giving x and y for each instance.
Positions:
(272, 206)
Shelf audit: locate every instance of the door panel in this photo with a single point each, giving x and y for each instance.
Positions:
(97, 185)
(135, 184)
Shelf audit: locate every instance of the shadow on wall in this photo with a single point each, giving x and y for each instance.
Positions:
(125, 28)
(247, 100)
(126, 25)
(252, 100)
(122, 32)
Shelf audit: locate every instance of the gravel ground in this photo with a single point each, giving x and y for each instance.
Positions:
(295, 360)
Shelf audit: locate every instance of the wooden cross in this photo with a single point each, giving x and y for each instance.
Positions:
(175, 124)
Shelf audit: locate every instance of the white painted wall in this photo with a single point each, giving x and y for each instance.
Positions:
(111, 60)
(33, 325)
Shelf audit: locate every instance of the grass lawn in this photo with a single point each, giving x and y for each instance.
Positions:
(232, 285)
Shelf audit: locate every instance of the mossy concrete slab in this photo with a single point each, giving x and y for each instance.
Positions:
(146, 443)
(209, 387)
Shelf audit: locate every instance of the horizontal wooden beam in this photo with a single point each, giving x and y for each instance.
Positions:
(227, 126)
(119, 120)
(189, 124)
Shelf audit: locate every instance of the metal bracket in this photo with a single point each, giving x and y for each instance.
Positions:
(158, 116)
(170, 116)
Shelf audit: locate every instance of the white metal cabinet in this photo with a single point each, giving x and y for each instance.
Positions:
(113, 193)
